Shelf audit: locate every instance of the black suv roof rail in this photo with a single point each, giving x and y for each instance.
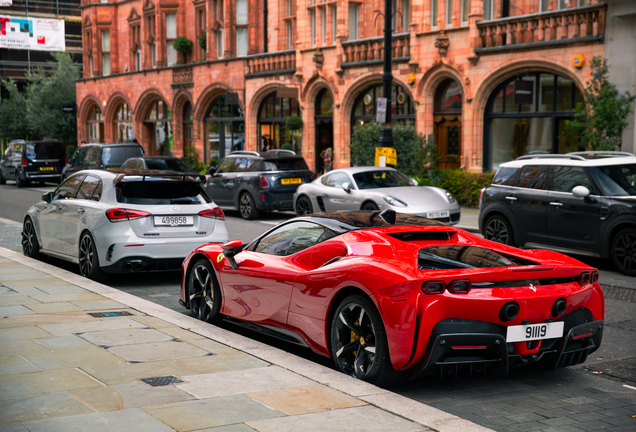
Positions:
(602, 153)
(245, 152)
(278, 152)
(552, 156)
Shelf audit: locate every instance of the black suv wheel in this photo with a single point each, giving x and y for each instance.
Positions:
(498, 229)
(624, 251)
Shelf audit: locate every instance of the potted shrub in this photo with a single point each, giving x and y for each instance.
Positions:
(183, 45)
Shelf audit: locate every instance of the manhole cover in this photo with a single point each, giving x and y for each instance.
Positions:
(622, 369)
(162, 381)
(109, 314)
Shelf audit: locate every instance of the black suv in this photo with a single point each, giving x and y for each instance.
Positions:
(101, 156)
(252, 182)
(33, 161)
(580, 203)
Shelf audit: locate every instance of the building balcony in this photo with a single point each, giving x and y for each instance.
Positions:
(370, 51)
(275, 63)
(583, 24)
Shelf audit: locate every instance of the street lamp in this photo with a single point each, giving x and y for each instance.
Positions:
(386, 137)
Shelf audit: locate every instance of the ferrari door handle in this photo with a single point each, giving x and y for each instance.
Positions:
(511, 198)
(555, 203)
(81, 211)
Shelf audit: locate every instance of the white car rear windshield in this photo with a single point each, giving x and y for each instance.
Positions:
(159, 192)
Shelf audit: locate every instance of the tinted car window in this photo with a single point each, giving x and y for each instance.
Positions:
(118, 155)
(224, 166)
(239, 165)
(90, 156)
(88, 187)
(45, 151)
(533, 177)
(67, 189)
(253, 165)
(167, 164)
(566, 178)
(616, 180)
(160, 192)
(445, 257)
(506, 176)
(290, 238)
(286, 164)
(380, 179)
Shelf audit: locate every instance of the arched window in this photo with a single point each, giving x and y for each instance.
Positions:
(272, 115)
(526, 114)
(224, 124)
(95, 125)
(449, 96)
(364, 107)
(123, 124)
(324, 127)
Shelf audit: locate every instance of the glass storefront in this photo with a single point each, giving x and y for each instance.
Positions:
(95, 125)
(534, 123)
(272, 115)
(158, 124)
(224, 129)
(123, 124)
(364, 108)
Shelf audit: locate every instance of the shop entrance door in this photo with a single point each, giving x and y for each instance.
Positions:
(448, 135)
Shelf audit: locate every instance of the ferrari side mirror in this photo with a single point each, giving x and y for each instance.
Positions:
(231, 249)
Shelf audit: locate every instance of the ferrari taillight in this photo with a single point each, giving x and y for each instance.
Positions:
(120, 215)
(434, 287)
(584, 278)
(459, 286)
(264, 183)
(594, 277)
(215, 213)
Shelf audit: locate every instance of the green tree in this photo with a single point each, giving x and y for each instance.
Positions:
(13, 121)
(409, 146)
(46, 95)
(599, 122)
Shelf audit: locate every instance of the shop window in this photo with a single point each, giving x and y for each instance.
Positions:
(95, 125)
(123, 124)
(364, 108)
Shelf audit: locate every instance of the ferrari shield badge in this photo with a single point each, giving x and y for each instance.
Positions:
(219, 258)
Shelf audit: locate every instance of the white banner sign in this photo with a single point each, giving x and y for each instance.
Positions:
(38, 34)
(6, 2)
(380, 115)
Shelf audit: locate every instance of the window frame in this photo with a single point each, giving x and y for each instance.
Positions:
(170, 39)
(105, 53)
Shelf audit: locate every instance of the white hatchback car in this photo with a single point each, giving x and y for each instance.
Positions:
(123, 221)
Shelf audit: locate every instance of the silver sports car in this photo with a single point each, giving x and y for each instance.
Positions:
(375, 188)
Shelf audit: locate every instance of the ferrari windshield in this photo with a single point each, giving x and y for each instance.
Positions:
(617, 180)
(380, 179)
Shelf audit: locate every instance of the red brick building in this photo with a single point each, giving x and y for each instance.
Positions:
(456, 64)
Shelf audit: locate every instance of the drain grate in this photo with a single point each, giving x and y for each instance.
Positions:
(109, 314)
(162, 381)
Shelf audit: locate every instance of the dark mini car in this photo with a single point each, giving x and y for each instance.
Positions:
(163, 163)
(27, 161)
(101, 156)
(252, 182)
(390, 296)
(579, 203)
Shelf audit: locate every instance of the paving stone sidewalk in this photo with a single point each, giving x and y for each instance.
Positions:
(76, 355)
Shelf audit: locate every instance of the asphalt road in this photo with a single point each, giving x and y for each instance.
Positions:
(598, 395)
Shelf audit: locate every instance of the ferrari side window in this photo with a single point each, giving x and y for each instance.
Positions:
(290, 238)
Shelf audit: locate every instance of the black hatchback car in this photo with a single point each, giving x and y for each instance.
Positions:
(253, 182)
(101, 156)
(34, 161)
(579, 203)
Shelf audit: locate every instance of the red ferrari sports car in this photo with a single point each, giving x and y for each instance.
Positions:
(390, 296)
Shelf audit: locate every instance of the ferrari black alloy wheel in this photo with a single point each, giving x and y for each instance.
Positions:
(498, 229)
(303, 206)
(358, 342)
(624, 251)
(88, 260)
(204, 293)
(30, 245)
(247, 208)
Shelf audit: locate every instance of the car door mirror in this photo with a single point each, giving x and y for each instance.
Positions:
(346, 186)
(581, 192)
(47, 197)
(414, 182)
(231, 249)
(212, 170)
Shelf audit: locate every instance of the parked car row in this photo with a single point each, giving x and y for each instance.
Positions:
(27, 161)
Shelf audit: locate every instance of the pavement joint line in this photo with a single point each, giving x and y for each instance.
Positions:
(417, 412)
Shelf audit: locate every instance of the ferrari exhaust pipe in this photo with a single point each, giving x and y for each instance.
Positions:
(509, 311)
(559, 307)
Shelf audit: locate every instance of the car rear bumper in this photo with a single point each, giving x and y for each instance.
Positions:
(41, 176)
(480, 348)
(276, 201)
(133, 264)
